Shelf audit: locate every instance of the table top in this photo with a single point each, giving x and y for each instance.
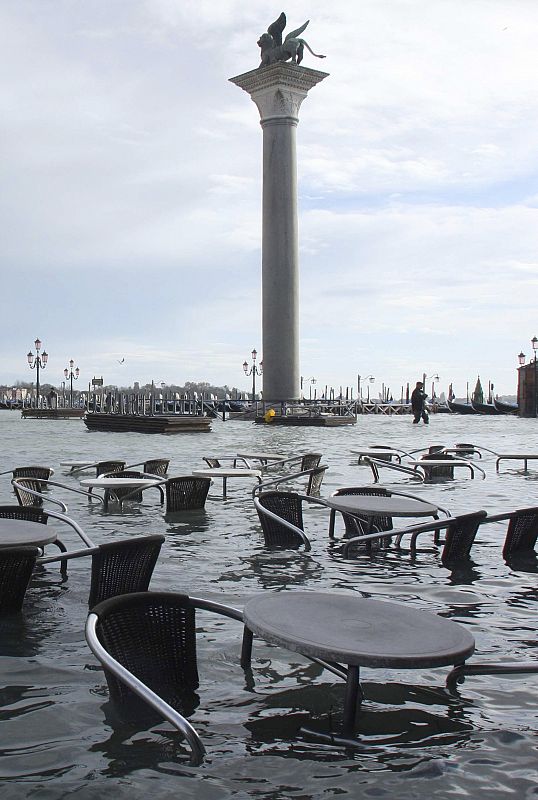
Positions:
(86, 463)
(263, 456)
(517, 455)
(17, 532)
(374, 505)
(110, 483)
(353, 630)
(376, 451)
(441, 462)
(227, 472)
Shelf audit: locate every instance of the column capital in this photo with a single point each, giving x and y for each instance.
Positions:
(279, 89)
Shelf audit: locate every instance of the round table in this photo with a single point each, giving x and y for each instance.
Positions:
(224, 473)
(372, 506)
(382, 453)
(22, 532)
(354, 631)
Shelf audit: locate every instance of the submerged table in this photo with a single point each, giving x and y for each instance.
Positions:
(345, 629)
(263, 458)
(382, 453)
(110, 483)
(525, 457)
(224, 473)
(372, 506)
(22, 532)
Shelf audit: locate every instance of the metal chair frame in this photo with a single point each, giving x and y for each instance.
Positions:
(121, 673)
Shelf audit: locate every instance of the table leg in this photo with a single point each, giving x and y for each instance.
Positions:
(351, 698)
(246, 648)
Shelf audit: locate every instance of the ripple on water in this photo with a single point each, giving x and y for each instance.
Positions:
(270, 737)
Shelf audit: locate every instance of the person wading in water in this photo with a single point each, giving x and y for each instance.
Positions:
(418, 404)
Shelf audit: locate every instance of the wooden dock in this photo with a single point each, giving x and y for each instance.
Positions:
(139, 423)
(305, 420)
(52, 413)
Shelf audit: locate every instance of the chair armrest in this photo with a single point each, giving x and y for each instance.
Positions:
(423, 527)
(76, 527)
(143, 691)
(41, 496)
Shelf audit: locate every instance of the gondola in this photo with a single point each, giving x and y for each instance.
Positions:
(460, 408)
(485, 408)
(505, 408)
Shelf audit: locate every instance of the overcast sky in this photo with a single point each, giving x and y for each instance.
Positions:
(130, 192)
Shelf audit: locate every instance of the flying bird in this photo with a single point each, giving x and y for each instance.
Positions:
(121, 362)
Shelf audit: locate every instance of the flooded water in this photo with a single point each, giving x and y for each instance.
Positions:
(59, 735)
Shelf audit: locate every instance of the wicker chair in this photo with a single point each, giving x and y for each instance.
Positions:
(147, 645)
(39, 473)
(118, 567)
(157, 466)
(522, 532)
(28, 492)
(186, 493)
(281, 518)
(213, 463)
(460, 535)
(122, 493)
(16, 567)
(357, 526)
(310, 461)
(437, 471)
(106, 467)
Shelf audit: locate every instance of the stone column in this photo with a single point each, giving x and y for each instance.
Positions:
(278, 91)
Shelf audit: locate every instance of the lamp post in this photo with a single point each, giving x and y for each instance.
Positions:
(312, 381)
(370, 379)
(253, 370)
(37, 362)
(521, 358)
(69, 374)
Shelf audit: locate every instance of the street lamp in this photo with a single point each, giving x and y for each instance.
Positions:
(37, 362)
(370, 379)
(72, 376)
(434, 379)
(312, 381)
(534, 342)
(253, 370)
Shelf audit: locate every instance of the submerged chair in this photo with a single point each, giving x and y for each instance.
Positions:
(39, 473)
(522, 532)
(356, 525)
(157, 466)
(146, 643)
(186, 493)
(312, 488)
(107, 467)
(123, 493)
(16, 567)
(438, 471)
(281, 518)
(28, 492)
(459, 537)
(118, 567)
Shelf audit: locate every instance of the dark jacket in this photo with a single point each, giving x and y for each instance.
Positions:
(418, 399)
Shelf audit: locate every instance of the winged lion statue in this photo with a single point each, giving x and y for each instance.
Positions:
(273, 49)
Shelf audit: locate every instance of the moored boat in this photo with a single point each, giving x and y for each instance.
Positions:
(460, 408)
(505, 408)
(485, 408)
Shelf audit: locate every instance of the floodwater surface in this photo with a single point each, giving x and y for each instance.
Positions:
(268, 740)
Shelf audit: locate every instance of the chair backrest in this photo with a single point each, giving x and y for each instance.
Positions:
(289, 507)
(153, 635)
(124, 566)
(186, 493)
(16, 567)
(356, 526)
(108, 466)
(522, 533)
(40, 473)
(29, 513)
(435, 448)
(460, 535)
(310, 460)
(465, 449)
(122, 492)
(25, 498)
(315, 479)
(438, 471)
(214, 463)
(157, 466)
